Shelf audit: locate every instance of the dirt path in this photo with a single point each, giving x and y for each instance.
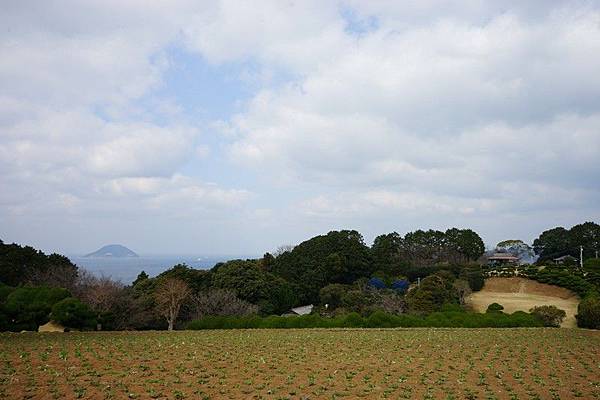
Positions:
(519, 294)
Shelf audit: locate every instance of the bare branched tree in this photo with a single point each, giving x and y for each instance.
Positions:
(284, 248)
(390, 302)
(170, 295)
(101, 293)
(106, 297)
(463, 290)
(54, 276)
(222, 302)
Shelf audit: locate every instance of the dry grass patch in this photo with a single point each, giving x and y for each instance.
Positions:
(520, 294)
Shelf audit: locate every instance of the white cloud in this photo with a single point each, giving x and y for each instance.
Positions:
(141, 150)
(429, 110)
(75, 138)
(443, 108)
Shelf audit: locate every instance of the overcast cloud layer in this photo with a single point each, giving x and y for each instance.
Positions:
(234, 127)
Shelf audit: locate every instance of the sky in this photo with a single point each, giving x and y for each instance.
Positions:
(234, 127)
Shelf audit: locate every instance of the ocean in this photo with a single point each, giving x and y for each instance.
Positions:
(126, 269)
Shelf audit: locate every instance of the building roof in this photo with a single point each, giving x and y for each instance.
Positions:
(302, 310)
(567, 257)
(503, 257)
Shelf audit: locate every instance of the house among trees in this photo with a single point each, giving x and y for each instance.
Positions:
(502, 259)
(565, 260)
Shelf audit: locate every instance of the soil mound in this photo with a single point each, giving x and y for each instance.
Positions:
(527, 286)
(51, 327)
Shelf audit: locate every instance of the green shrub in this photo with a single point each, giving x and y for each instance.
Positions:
(592, 264)
(379, 319)
(4, 292)
(352, 320)
(452, 307)
(588, 312)
(561, 276)
(549, 315)
(433, 292)
(72, 313)
(494, 307)
(474, 275)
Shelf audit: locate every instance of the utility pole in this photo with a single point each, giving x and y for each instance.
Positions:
(581, 256)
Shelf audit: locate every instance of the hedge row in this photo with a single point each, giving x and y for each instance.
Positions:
(551, 275)
(563, 278)
(450, 319)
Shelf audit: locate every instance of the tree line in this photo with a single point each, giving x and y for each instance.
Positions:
(270, 285)
(336, 272)
(559, 241)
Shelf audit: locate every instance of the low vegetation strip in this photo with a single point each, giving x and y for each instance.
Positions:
(378, 319)
(295, 364)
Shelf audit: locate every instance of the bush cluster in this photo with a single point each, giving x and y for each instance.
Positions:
(588, 312)
(549, 315)
(495, 307)
(560, 276)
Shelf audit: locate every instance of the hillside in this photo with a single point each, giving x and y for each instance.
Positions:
(113, 250)
(520, 294)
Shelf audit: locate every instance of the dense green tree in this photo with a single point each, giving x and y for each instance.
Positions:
(251, 283)
(559, 241)
(588, 312)
(433, 292)
(27, 308)
(196, 279)
(588, 236)
(592, 265)
(387, 254)
(552, 243)
(20, 265)
(338, 257)
(267, 262)
(473, 274)
(281, 296)
(5, 290)
(143, 303)
(142, 276)
(72, 313)
(424, 247)
(463, 245)
(332, 294)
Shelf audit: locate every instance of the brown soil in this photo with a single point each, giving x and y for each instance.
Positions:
(520, 294)
(522, 285)
(303, 364)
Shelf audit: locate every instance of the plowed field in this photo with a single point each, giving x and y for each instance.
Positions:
(303, 364)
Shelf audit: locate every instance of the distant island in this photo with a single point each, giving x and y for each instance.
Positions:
(113, 250)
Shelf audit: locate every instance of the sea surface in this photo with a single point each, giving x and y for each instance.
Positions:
(126, 269)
